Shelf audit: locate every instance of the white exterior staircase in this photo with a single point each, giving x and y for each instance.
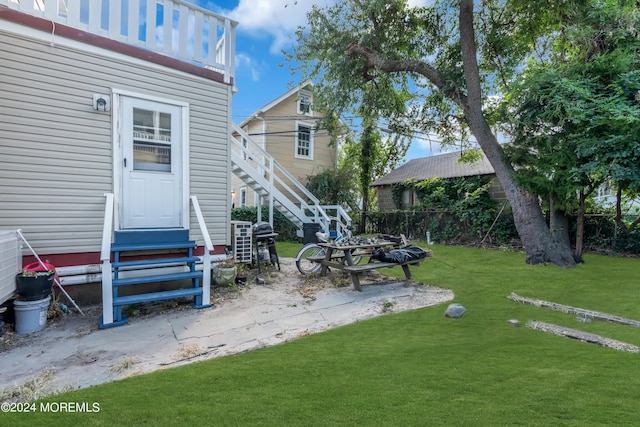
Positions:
(271, 181)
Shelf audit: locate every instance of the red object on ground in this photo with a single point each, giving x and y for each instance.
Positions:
(36, 266)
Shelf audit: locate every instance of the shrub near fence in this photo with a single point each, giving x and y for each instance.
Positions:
(601, 234)
(286, 229)
(443, 227)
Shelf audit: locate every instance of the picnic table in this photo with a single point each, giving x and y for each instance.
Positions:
(340, 257)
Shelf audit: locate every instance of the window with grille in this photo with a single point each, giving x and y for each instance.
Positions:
(304, 141)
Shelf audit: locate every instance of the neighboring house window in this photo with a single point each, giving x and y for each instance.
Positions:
(304, 141)
(605, 190)
(304, 104)
(407, 198)
(243, 196)
(244, 145)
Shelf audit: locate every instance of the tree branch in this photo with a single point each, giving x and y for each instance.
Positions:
(376, 61)
(469, 60)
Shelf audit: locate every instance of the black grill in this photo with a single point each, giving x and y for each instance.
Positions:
(265, 239)
(262, 228)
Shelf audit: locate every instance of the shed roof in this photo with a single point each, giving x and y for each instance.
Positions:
(439, 166)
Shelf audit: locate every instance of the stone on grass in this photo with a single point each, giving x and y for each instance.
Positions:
(514, 322)
(455, 311)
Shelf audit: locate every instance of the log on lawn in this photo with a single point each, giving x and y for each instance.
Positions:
(582, 336)
(589, 314)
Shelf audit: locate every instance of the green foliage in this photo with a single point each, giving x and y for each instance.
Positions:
(281, 224)
(577, 115)
(334, 187)
(604, 235)
(369, 141)
(368, 159)
(446, 67)
(469, 209)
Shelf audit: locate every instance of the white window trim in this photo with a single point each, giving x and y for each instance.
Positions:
(311, 137)
(301, 96)
(244, 145)
(243, 196)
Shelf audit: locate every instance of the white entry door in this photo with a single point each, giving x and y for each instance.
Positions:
(152, 153)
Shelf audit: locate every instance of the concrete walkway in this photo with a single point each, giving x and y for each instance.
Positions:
(73, 353)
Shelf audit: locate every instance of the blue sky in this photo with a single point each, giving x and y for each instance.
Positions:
(265, 28)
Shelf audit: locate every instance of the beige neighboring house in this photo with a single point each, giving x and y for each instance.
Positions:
(443, 166)
(286, 129)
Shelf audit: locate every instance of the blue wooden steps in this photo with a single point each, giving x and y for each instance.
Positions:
(157, 296)
(140, 253)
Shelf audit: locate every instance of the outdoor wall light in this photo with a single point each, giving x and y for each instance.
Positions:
(101, 102)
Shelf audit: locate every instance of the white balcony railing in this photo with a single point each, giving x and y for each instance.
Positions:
(174, 28)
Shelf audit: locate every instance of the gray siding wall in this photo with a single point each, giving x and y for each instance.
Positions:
(385, 198)
(56, 151)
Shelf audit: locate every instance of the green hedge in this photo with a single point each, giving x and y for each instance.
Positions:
(286, 229)
(443, 227)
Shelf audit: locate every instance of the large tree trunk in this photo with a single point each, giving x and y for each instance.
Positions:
(539, 244)
(559, 224)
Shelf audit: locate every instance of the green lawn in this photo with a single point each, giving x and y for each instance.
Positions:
(414, 368)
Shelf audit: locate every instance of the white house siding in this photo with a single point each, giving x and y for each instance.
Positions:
(56, 151)
(210, 164)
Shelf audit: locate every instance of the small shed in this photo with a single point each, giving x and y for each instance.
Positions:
(443, 166)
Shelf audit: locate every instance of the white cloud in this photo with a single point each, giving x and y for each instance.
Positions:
(276, 18)
(254, 67)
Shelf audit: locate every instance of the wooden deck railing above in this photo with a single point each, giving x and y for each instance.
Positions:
(174, 28)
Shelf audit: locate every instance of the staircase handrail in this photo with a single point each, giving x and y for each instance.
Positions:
(267, 184)
(273, 166)
(279, 197)
(261, 151)
(341, 217)
(208, 244)
(105, 257)
(107, 228)
(208, 248)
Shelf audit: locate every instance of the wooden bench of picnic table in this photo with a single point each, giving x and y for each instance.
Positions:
(340, 257)
(356, 270)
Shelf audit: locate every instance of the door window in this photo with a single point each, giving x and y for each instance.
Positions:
(151, 140)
